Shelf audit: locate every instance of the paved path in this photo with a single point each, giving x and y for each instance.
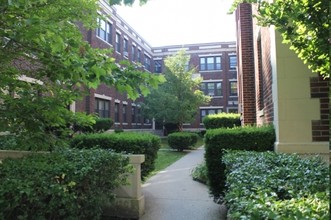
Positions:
(173, 195)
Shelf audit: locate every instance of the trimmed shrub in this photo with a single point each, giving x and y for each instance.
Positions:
(118, 130)
(8, 142)
(182, 140)
(170, 128)
(102, 124)
(239, 138)
(69, 184)
(125, 142)
(222, 120)
(276, 186)
(199, 173)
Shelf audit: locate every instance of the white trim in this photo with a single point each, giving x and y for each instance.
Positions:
(233, 80)
(210, 107)
(30, 80)
(232, 45)
(118, 31)
(157, 58)
(212, 80)
(117, 101)
(210, 47)
(124, 102)
(178, 48)
(232, 54)
(133, 104)
(134, 44)
(126, 38)
(125, 123)
(210, 71)
(157, 51)
(211, 55)
(147, 55)
(103, 96)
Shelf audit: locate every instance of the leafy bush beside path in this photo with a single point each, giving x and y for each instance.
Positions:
(276, 186)
(69, 184)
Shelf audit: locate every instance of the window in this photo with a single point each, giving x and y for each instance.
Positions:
(117, 118)
(133, 114)
(126, 47)
(104, 30)
(204, 112)
(157, 66)
(139, 115)
(210, 63)
(233, 62)
(139, 56)
(102, 108)
(147, 63)
(124, 113)
(233, 89)
(133, 53)
(118, 42)
(212, 88)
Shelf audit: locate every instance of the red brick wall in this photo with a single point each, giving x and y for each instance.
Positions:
(263, 77)
(246, 73)
(319, 88)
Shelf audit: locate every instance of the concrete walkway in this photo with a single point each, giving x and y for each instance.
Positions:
(173, 195)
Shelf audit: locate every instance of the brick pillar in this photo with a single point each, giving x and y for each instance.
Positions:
(246, 72)
(319, 88)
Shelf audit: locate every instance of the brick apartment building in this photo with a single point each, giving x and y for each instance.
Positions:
(215, 63)
(277, 88)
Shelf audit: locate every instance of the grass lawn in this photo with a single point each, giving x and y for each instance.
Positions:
(166, 156)
(164, 143)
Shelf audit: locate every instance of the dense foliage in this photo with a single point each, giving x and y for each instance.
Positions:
(182, 140)
(304, 25)
(177, 100)
(239, 138)
(70, 184)
(221, 120)
(46, 65)
(276, 186)
(124, 142)
(199, 173)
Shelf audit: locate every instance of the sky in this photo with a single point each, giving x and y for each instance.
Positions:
(176, 22)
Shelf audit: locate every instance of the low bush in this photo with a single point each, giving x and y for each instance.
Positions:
(276, 186)
(102, 124)
(8, 142)
(170, 128)
(222, 120)
(182, 140)
(125, 142)
(68, 184)
(199, 173)
(239, 138)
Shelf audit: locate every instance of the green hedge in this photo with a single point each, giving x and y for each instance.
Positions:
(276, 186)
(222, 120)
(239, 138)
(126, 142)
(100, 125)
(71, 184)
(182, 140)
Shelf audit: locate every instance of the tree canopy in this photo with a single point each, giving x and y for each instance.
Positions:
(304, 25)
(177, 100)
(46, 65)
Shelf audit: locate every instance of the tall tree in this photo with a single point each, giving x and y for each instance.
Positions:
(178, 99)
(304, 25)
(46, 65)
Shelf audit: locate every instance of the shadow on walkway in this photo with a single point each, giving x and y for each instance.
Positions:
(173, 195)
